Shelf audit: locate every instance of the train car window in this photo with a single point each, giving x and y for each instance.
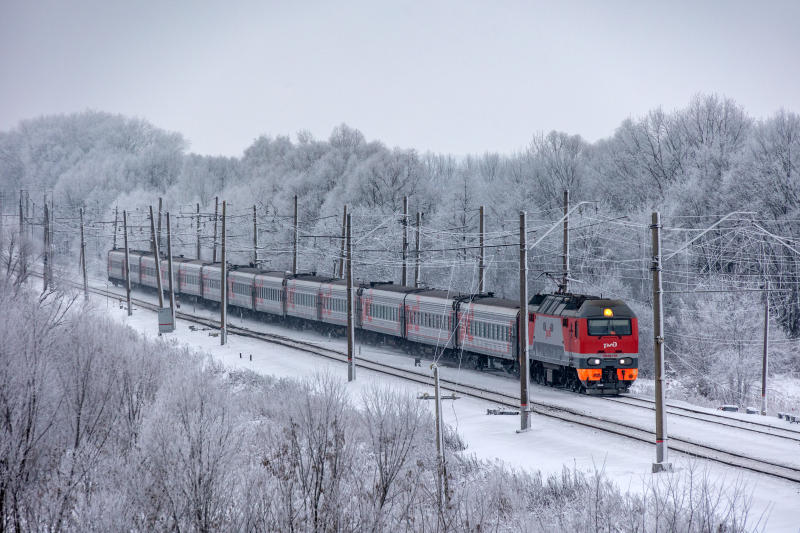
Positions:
(613, 326)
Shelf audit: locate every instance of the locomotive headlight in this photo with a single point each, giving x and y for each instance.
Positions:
(593, 361)
(608, 312)
(624, 361)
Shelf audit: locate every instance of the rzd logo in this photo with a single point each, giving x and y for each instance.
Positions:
(548, 330)
(609, 345)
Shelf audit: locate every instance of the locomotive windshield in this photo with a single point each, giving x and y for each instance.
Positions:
(609, 326)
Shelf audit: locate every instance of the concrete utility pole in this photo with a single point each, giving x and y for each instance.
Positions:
(662, 463)
(83, 261)
(416, 263)
(765, 360)
(116, 217)
(169, 271)
(23, 263)
(197, 255)
(344, 231)
(255, 238)
(160, 242)
(565, 257)
(46, 246)
(157, 259)
(294, 244)
(351, 364)
(442, 491)
(404, 277)
(482, 261)
(223, 287)
(524, 375)
(127, 261)
(216, 216)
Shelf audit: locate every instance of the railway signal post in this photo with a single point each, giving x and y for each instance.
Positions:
(198, 232)
(662, 463)
(416, 263)
(524, 376)
(255, 238)
(216, 217)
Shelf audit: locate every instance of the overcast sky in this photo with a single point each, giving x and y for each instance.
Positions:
(459, 77)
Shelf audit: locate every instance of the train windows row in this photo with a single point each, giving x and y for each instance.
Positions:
(428, 320)
(241, 288)
(487, 330)
(191, 279)
(269, 293)
(335, 304)
(302, 299)
(384, 312)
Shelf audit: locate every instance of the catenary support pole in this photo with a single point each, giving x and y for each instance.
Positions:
(417, 262)
(127, 262)
(197, 253)
(344, 231)
(524, 374)
(765, 358)
(170, 271)
(404, 276)
(156, 259)
(223, 285)
(255, 238)
(216, 217)
(662, 446)
(46, 247)
(294, 239)
(442, 489)
(351, 363)
(482, 260)
(83, 261)
(116, 219)
(564, 289)
(160, 206)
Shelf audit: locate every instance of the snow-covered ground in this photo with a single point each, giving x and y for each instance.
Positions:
(548, 446)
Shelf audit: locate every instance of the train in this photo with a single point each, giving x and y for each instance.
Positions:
(580, 342)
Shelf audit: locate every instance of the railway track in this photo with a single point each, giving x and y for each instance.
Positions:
(753, 426)
(696, 449)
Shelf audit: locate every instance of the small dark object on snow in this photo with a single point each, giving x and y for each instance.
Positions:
(418, 361)
(502, 411)
(729, 408)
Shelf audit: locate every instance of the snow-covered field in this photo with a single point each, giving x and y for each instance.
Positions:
(548, 446)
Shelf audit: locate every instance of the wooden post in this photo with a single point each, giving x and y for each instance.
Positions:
(417, 262)
(482, 261)
(351, 364)
(404, 278)
(197, 254)
(524, 375)
(255, 238)
(216, 216)
(83, 261)
(294, 245)
(156, 259)
(223, 286)
(344, 231)
(169, 271)
(127, 261)
(662, 446)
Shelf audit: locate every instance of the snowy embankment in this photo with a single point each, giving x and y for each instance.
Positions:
(548, 447)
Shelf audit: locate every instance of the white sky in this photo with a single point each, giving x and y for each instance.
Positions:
(452, 76)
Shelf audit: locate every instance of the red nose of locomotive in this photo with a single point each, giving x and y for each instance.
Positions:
(607, 357)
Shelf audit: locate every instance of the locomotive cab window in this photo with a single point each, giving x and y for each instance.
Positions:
(612, 326)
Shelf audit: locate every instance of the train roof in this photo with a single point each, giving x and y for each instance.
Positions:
(578, 305)
(388, 286)
(311, 277)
